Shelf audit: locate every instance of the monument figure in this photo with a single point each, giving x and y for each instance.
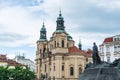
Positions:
(100, 70)
(95, 55)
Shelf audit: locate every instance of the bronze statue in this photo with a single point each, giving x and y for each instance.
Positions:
(95, 55)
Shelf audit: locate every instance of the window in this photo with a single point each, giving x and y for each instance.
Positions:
(119, 48)
(55, 44)
(54, 68)
(115, 48)
(62, 43)
(45, 67)
(108, 49)
(108, 59)
(71, 71)
(86, 59)
(114, 39)
(80, 70)
(62, 67)
(62, 57)
(53, 77)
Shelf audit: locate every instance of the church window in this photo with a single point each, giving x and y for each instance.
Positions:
(62, 67)
(53, 77)
(71, 71)
(62, 57)
(54, 67)
(55, 44)
(62, 43)
(80, 70)
(45, 67)
(86, 59)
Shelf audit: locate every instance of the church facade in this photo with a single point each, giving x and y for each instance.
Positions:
(59, 58)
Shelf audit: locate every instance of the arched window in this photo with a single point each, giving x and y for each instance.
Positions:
(54, 67)
(86, 59)
(62, 67)
(80, 70)
(62, 43)
(55, 44)
(45, 67)
(71, 71)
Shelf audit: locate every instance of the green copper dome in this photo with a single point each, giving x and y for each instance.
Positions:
(69, 37)
(43, 28)
(43, 36)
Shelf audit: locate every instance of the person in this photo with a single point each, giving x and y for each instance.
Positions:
(95, 55)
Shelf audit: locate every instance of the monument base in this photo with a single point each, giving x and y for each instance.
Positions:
(105, 73)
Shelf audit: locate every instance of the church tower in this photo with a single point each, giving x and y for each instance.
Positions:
(60, 22)
(80, 45)
(58, 58)
(42, 50)
(60, 40)
(43, 33)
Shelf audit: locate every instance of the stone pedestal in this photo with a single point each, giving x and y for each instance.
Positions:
(105, 73)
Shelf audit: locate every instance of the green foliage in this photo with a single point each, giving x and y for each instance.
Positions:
(17, 73)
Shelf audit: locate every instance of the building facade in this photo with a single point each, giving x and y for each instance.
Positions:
(5, 62)
(59, 58)
(110, 49)
(25, 61)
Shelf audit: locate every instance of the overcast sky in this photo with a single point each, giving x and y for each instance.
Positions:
(21, 20)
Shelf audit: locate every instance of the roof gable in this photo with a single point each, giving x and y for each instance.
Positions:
(110, 39)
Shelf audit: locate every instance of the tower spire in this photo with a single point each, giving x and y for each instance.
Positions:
(60, 22)
(80, 45)
(60, 13)
(43, 33)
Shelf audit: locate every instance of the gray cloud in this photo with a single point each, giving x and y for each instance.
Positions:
(11, 37)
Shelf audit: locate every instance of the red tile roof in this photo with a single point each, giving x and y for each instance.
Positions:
(74, 49)
(89, 51)
(110, 39)
(10, 62)
(13, 63)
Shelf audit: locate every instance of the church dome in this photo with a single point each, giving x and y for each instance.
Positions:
(69, 37)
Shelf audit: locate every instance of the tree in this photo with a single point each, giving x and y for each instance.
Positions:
(17, 73)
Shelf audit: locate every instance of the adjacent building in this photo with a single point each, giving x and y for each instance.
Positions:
(5, 62)
(21, 59)
(59, 58)
(110, 49)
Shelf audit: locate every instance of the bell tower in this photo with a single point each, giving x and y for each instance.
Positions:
(60, 22)
(42, 50)
(43, 33)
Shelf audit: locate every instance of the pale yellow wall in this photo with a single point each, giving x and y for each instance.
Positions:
(71, 59)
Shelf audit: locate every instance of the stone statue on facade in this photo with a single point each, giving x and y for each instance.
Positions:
(95, 55)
